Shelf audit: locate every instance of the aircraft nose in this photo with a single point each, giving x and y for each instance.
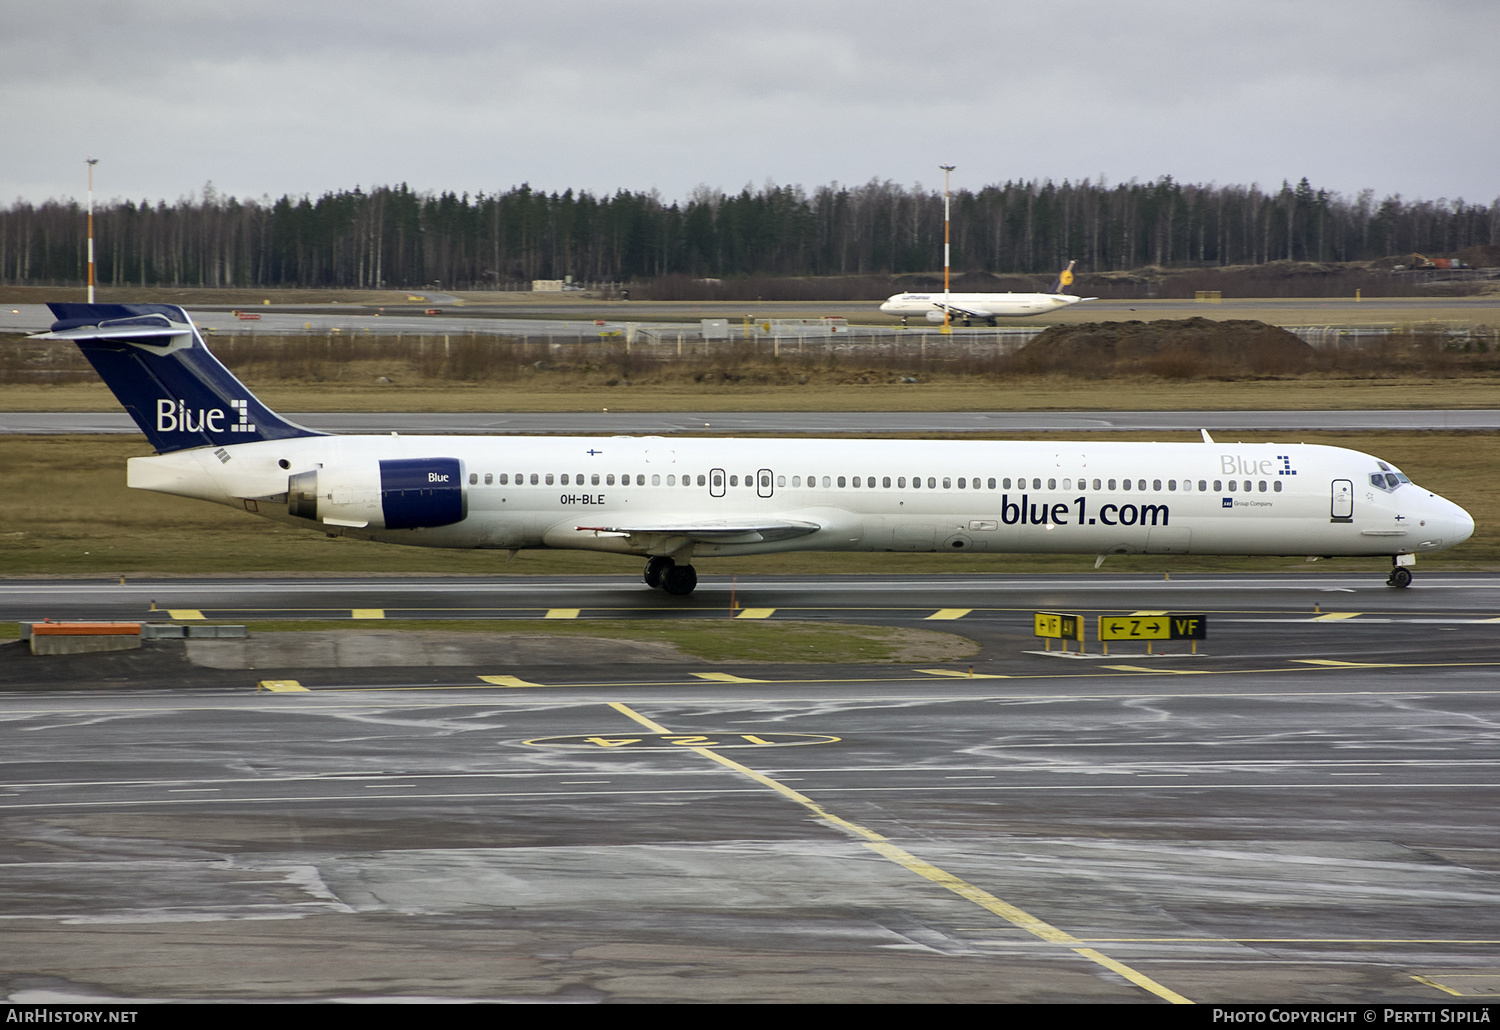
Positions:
(1453, 522)
(1463, 525)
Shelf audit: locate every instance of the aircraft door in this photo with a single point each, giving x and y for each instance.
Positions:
(764, 483)
(1342, 509)
(716, 483)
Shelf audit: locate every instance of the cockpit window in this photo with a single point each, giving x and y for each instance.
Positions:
(1387, 480)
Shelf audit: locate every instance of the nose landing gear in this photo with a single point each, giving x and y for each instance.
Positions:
(1400, 574)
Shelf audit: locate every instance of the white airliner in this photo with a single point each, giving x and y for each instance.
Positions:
(673, 501)
(988, 307)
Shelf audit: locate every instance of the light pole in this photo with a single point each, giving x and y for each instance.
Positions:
(92, 162)
(947, 256)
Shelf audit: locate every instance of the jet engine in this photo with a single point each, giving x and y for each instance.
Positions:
(401, 493)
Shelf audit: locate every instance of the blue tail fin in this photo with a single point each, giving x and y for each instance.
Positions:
(1064, 279)
(154, 360)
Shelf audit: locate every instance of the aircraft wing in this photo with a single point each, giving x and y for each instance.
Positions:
(716, 531)
(961, 311)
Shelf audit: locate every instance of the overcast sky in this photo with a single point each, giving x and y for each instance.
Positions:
(273, 97)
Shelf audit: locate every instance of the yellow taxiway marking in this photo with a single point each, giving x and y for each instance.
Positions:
(510, 681)
(1434, 983)
(367, 613)
(1457, 976)
(184, 613)
(723, 677)
(949, 613)
(280, 686)
(1170, 672)
(1148, 613)
(879, 844)
(756, 613)
(562, 613)
(1337, 616)
(960, 674)
(1334, 663)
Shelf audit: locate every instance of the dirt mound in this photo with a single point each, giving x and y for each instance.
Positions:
(1171, 348)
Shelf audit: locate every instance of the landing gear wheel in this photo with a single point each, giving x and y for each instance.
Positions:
(679, 580)
(655, 569)
(1400, 577)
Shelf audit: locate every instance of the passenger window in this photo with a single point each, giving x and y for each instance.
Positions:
(841, 482)
(656, 480)
(931, 483)
(1051, 484)
(961, 484)
(886, 482)
(489, 478)
(473, 478)
(901, 482)
(1276, 486)
(609, 480)
(827, 481)
(1261, 486)
(1231, 486)
(504, 479)
(781, 480)
(1156, 485)
(990, 484)
(1125, 484)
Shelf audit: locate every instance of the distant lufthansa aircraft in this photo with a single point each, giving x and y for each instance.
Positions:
(668, 502)
(986, 306)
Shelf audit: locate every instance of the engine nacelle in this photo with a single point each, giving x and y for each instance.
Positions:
(934, 316)
(401, 493)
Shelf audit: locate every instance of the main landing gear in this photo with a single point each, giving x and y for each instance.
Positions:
(1400, 574)
(663, 572)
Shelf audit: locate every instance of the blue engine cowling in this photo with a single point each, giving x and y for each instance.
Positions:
(398, 493)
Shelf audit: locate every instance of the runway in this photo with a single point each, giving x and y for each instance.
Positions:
(707, 423)
(1301, 813)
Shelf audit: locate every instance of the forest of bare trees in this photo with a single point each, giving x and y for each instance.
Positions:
(397, 237)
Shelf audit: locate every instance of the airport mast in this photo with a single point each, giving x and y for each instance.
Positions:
(92, 161)
(947, 311)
